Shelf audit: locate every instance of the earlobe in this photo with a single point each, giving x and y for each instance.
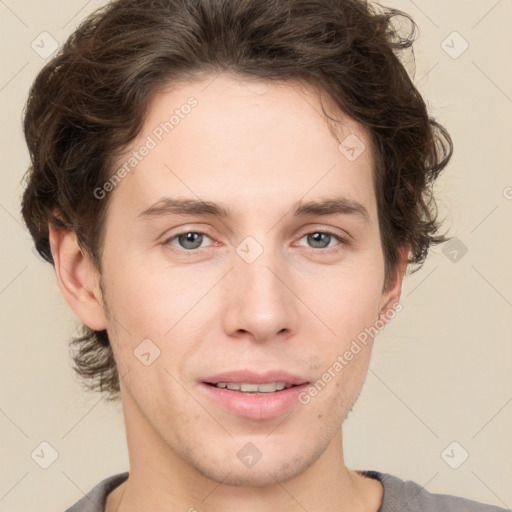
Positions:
(391, 297)
(77, 277)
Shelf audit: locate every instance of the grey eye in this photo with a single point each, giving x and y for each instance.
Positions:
(319, 240)
(191, 240)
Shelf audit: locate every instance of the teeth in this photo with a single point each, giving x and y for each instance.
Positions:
(245, 387)
(254, 388)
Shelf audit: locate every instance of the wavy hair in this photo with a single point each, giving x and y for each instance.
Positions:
(90, 100)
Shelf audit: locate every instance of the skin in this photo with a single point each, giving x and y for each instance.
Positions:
(258, 148)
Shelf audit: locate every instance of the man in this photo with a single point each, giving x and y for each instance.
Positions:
(230, 193)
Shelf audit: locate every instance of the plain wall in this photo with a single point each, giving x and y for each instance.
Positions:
(440, 372)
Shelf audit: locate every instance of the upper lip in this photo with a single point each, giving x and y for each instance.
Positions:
(250, 377)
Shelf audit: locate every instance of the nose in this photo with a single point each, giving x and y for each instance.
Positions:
(261, 302)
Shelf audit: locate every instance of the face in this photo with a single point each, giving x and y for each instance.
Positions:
(260, 286)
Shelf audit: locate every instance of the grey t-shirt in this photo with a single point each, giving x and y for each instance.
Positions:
(399, 496)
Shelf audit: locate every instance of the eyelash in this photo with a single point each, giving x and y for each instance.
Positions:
(341, 241)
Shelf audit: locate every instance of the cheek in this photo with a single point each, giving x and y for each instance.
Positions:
(147, 300)
(349, 307)
(355, 309)
(168, 307)
(348, 299)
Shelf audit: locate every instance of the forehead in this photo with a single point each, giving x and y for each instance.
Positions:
(239, 140)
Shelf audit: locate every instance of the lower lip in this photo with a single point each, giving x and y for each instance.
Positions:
(255, 406)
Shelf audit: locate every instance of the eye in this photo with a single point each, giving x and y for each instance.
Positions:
(322, 240)
(188, 240)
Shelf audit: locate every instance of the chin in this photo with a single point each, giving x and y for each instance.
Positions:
(278, 469)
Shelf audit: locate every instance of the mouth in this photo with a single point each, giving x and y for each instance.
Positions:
(247, 387)
(252, 395)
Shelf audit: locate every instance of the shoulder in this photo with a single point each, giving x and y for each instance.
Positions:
(95, 499)
(409, 496)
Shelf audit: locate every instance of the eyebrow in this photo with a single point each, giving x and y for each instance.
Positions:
(176, 206)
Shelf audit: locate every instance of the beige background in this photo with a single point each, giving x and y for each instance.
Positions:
(441, 372)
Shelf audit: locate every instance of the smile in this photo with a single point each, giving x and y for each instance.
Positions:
(254, 395)
(246, 387)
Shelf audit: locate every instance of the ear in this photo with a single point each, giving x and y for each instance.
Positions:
(77, 277)
(391, 294)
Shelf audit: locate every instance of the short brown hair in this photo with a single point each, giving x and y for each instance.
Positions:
(89, 102)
